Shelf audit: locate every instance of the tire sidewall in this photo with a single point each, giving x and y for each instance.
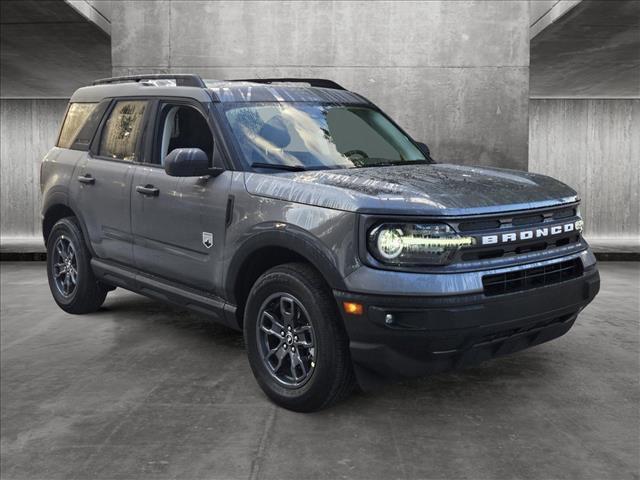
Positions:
(277, 281)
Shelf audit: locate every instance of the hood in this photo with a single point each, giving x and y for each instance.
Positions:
(438, 189)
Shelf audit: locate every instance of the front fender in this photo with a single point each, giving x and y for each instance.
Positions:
(280, 235)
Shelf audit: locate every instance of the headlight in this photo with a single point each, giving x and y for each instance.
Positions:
(415, 243)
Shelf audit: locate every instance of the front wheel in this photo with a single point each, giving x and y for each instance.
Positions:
(298, 349)
(71, 280)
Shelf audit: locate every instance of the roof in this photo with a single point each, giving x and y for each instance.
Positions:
(230, 91)
(226, 91)
(95, 93)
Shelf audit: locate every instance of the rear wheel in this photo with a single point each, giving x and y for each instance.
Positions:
(71, 280)
(297, 347)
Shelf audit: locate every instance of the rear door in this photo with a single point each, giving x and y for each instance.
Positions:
(104, 178)
(178, 223)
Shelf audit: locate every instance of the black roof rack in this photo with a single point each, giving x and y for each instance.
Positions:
(314, 82)
(181, 79)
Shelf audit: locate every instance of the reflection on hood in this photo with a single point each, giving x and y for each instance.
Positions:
(439, 189)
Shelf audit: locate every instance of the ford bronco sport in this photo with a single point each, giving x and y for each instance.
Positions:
(298, 212)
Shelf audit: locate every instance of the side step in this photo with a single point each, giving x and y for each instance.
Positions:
(166, 291)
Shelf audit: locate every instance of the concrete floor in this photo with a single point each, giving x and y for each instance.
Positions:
(140, 390)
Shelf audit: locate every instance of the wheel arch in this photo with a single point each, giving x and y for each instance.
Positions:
(57, 208)
(269, 249)
(52, 215)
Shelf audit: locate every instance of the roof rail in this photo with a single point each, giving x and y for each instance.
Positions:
(314, 82)
(181, 79)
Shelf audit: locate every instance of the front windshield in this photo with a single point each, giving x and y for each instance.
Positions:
(307, 136)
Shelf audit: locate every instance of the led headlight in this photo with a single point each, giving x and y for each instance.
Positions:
(389, 243)
(415, 243)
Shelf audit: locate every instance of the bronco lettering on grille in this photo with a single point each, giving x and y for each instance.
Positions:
(540, 232)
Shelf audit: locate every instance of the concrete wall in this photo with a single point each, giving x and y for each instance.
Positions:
(454, 74)
(539, 8)
(594, 146)
(586, 49)
(28, 129)
(47, 49)
(98, 12)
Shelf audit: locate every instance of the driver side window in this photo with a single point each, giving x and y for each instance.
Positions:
(182, 126)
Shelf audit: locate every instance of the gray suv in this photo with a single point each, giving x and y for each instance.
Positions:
(298, 212)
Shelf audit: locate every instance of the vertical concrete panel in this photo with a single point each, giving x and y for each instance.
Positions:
(454, 74)
(613, 158)
(592, 145)
(558, 143)
(28, 128)
(15, 120)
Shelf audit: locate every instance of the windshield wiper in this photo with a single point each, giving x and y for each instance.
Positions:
(276, 166)
(388, 163)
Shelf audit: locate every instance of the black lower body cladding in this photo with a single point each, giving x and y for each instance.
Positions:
(399, 337)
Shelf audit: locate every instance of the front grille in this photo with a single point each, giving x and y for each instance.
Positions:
(501, 224)
(514, 249)
(528, 220)
(522, 219)
(479, 225)
(564, 213)
(527, 279)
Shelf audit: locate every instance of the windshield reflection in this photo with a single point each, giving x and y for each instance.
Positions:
(308, 136)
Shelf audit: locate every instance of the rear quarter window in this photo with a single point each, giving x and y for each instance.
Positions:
(88, 130)
(77, 115)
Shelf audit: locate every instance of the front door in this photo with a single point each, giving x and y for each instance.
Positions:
(179, 223)
(104, 179)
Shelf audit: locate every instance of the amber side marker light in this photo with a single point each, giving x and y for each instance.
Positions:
(352, 308)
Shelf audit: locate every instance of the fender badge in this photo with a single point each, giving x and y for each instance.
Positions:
(207, 239)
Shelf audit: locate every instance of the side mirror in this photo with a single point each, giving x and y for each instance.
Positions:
(424, 149)
(187, 162)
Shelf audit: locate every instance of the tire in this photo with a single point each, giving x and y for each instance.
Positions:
(295, 295)
(68, 260)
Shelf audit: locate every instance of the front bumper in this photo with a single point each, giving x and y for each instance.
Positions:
(430, 334)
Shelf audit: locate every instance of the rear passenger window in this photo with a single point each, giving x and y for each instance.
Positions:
(122, 129)
(77, 115)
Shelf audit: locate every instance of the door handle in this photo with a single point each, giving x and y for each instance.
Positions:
(87, 179)
(148, 190)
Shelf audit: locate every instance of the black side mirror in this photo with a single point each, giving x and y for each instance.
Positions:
(424, 149)
(187, 162)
